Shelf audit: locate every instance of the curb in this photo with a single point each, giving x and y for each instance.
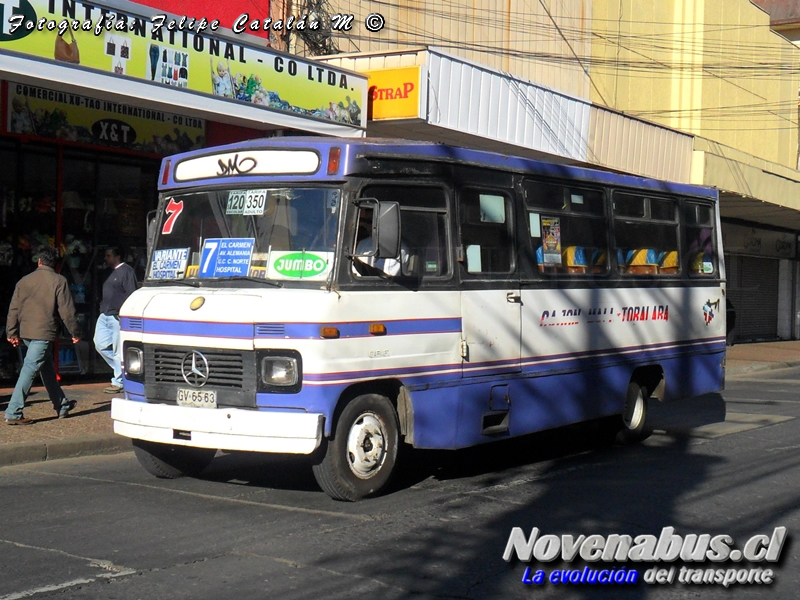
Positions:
(751, 367)
(29, 452)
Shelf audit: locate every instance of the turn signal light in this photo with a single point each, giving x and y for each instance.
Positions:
(377, 329)
(333, 160)
(329, 332)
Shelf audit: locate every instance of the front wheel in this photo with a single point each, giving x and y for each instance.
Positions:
(359, 460)
(167, 461)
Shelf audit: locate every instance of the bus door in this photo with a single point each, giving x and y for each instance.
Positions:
(490, 291)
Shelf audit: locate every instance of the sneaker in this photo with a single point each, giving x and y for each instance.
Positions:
(65, 410)
(20, 421)
(113, 389)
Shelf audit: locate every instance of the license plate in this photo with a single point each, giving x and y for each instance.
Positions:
(197, 398)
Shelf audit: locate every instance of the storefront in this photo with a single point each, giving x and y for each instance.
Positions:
(85, 120)
(761, 267)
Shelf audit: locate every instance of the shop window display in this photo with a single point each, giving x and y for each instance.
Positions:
(101, 203)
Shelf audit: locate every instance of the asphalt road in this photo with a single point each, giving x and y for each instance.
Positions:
(255, 527)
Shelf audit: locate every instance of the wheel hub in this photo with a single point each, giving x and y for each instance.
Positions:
(365, 446)
(634, 412)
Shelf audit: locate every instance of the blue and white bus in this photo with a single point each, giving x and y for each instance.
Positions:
(336, 298)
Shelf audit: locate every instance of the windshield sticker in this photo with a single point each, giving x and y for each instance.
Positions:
(174, 209)
(169, 263)
(226, 257)
(333, 202)
(551, 240)
(300, 265)
(255, 202)
(236, 201)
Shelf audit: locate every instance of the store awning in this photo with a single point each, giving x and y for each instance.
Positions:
(751, 189)
(428, 94)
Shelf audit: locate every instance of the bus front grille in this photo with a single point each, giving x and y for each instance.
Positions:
(225, 368)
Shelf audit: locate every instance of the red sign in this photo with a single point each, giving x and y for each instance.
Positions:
(226, 11)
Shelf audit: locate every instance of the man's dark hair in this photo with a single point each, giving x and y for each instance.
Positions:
(115, 250)
(48, 255)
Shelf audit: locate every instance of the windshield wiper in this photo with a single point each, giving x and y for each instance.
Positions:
(277, 284)
(188, 282)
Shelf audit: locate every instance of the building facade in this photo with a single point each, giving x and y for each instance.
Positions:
(86, 117)
(687, 90)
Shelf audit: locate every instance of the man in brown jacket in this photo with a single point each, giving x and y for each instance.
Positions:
(41, 302)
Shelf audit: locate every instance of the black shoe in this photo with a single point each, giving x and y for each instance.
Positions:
(65, 410)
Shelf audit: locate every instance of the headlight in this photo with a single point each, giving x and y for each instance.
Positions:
(134, 361)
(279, 370)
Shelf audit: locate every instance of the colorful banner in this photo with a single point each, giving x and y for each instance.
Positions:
(172, 53)
(49, 113)
(394, 93)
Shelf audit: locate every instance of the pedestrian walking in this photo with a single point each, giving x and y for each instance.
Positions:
(41, 303)
(120, 284)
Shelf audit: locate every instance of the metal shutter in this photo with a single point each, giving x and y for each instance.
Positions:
(753, 289)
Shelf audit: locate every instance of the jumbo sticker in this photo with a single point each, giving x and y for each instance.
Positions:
(300, 265)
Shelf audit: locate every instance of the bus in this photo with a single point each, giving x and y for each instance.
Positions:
(336, 298)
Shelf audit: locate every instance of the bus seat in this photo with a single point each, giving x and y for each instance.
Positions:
(543, 268)
(598, 260)
(668, 262)
(643, 261)
(623, 256)
(574, 257)
(697, 261)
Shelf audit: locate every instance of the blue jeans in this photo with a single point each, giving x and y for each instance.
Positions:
(39, 359)
(106, 341)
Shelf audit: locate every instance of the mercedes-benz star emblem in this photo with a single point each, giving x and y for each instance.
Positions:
(194, 368)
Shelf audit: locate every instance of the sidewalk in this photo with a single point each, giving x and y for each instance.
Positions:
(89, 430)
(743, 359)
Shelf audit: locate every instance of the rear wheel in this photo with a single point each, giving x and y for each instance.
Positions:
(170, 462)
(359, 459)
(631, 424)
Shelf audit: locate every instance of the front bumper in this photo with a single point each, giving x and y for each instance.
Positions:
(221, 428)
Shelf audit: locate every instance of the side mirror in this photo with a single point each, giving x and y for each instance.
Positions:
(151, 232)
(388, 230)
(384, 230)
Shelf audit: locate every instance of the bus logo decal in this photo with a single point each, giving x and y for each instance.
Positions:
(708, 311)
(246, 165)
(194, 368)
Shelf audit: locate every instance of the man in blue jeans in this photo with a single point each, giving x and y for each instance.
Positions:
(120, 284)
(41, 302)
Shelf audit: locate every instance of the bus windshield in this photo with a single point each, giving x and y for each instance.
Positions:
(286, 233)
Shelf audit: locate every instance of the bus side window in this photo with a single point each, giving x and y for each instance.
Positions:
(700, 255)
(646, 234)
(567, 228)
(423, 228)
(486, 242)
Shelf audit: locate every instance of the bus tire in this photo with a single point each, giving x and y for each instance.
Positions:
(166, 461)
(358, 461)
(633, 420)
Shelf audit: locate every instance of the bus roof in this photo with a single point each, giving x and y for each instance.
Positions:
(296, 159)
